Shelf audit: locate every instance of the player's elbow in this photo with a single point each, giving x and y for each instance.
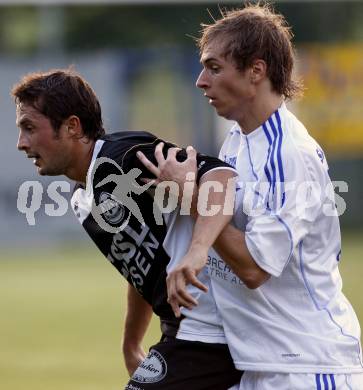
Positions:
(255, 278)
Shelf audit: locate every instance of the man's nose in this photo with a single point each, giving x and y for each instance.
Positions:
(202, 81)
(23, 142)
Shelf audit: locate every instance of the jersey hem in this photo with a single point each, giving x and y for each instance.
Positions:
(204, 338)
(218, 169)
(289, 369)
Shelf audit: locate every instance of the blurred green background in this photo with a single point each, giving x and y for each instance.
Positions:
(61, 304)
(61, 321)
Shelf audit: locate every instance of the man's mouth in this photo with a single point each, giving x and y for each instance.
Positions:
(35, 157)
(211, 99)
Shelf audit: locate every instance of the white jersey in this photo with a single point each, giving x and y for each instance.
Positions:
(203, 323)
(299, 320)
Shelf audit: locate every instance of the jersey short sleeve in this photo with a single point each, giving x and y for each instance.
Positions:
(286, 210)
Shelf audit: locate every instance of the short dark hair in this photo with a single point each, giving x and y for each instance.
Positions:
(58, 94)
(256, 32)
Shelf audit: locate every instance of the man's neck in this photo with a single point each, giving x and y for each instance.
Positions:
(83, 153)
(259, 110)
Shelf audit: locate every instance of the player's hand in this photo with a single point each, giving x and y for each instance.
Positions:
(186, 273)
(133, 356)
(169, 169)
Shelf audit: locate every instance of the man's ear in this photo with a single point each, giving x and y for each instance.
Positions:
(74, 126)
(258, 71)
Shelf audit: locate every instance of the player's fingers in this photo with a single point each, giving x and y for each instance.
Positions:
(185, 299)
(191, 153)
(197, 283)
(177, 291)
(173, 302)
(171, 283)
(183, 296)
(172, 153)
(170, 286)
(152, 182)
(159, 153)
(184, 303)
(148, 164)
(175, 307)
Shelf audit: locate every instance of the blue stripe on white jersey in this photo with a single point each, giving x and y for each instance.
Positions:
(272, 162)
(277, 184)
(266, 169)
(332, 380)
(273, 167)
(326, 383)
(279, 159)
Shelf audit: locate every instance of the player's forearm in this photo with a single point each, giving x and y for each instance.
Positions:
(214, 207)
(206, 229)
(137, 320)
(231, 246)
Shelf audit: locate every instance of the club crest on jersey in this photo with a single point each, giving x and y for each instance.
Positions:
(112, 210)
(152, 369)
(231, 160)
(320, 154)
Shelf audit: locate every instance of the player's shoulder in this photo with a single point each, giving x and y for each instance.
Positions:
(298, 140)
(115, 145)
(299, 148)
(128, 136)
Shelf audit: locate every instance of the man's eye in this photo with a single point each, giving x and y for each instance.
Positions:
(215, 69)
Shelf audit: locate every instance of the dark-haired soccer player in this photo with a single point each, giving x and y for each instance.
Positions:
(61, 130)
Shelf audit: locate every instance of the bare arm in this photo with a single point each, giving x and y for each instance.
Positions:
(138, 317)
(214, 211)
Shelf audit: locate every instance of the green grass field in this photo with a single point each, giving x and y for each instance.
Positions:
(61, 315)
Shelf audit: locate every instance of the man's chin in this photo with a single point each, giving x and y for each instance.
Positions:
(42, 171)
(223, 114)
